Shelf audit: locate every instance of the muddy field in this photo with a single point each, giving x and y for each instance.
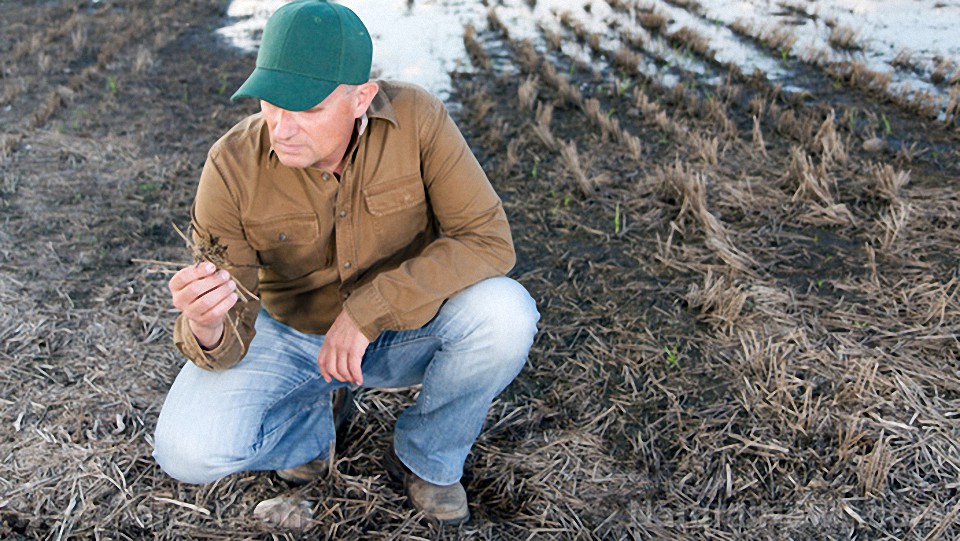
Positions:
(749, 296)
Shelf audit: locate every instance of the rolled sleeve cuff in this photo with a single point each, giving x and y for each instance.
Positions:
(371, 312)
(226, 354)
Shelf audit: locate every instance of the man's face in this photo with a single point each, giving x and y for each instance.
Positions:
(316, 137)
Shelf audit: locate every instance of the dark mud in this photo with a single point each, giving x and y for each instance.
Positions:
(749, 297)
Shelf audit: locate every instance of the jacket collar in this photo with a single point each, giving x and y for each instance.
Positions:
(380, 108)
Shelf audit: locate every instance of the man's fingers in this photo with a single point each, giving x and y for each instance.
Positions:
(343, 368)
(323, 360)
(204, 295)
(214, 297)
(190, 274)
(198, 288)
(356, 375)
(190, 293)
(341, 354)
(209, 307)
(327, 376)
(218, 311)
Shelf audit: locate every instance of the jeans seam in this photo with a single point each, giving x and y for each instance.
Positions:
(263, 415)
(426, 373)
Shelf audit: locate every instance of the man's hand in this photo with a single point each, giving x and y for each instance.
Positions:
(204, 295)
(342, 351)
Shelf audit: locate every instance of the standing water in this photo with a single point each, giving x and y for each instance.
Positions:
(912, 41)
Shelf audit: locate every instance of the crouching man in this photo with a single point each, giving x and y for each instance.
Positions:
(378, 248)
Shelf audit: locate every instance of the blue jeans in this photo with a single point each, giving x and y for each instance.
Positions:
(272, 410)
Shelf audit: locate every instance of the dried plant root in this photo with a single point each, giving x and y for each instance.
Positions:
(213, 251)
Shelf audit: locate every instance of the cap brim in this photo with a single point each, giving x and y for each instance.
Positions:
(285, 90)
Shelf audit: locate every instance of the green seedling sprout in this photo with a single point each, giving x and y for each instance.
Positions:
(672, 356)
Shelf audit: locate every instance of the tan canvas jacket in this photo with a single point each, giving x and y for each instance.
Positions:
(412, 221)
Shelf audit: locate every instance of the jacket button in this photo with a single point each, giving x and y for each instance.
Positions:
(282, 236)
(347, 265)
(343, 214)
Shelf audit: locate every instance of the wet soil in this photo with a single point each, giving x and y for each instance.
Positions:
(749, 297)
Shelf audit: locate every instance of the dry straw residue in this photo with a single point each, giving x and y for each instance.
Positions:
(760, 345)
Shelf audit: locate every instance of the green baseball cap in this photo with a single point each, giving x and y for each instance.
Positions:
(309, 47)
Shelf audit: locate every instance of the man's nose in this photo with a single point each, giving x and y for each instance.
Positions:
(283, 127)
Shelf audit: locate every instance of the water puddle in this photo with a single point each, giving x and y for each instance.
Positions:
(908, 39)
(421, 41)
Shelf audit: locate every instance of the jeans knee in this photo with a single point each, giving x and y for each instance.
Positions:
(187, 459)
(512, 312)
(177, 462)
(505, 316)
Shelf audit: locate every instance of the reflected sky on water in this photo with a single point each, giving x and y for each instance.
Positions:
(422, 41)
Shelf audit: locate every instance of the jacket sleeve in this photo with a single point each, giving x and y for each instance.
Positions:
(218, 233)
(474, 241)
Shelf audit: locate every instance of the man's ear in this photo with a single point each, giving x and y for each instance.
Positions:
(364, 95)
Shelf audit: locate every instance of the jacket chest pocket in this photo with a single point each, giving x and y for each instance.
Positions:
(397, 212)
(289, 246)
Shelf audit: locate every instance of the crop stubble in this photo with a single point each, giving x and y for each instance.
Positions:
(749, 314)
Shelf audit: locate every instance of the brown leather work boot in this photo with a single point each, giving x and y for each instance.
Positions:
(446, 504)
(342, 401)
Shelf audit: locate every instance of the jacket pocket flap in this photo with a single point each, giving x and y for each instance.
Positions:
(282, 230)
(394, 195)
